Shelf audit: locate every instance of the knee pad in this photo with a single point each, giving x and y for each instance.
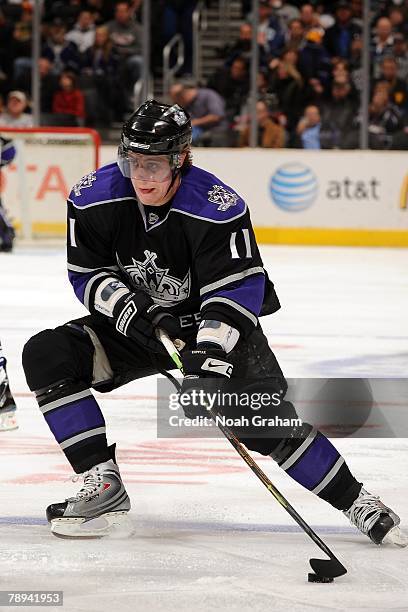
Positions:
(50, 356)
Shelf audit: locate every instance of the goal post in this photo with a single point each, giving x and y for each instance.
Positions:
(35, 185)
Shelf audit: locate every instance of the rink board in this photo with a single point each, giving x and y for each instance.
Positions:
(353, 198)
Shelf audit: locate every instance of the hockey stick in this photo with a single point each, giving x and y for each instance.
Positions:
(324, 568)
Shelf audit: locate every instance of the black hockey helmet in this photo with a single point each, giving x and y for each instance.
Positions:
(157, 129)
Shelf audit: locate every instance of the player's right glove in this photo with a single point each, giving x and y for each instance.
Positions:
(137, 316)
(204, 369)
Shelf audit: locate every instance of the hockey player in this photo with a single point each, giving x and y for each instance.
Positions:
(8, 419)
(7, 233)
(154, 241)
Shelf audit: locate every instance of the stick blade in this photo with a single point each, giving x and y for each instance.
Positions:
(329, 568)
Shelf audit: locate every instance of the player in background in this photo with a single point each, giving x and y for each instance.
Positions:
(154, 241)
(7, 405)
(8, 419)
(7, 233)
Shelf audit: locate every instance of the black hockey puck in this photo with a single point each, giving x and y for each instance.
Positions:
(317, 578)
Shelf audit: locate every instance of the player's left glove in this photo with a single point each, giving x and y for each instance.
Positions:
(137, 317)
(204, 368)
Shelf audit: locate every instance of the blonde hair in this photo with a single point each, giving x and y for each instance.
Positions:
(107, 47)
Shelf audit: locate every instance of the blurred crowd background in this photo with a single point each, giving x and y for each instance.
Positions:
(309, 78)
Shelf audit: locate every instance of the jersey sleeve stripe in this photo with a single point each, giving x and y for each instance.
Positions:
(74, 268)
(232, 304)
(79, 282)
(8, 153)
(231, 279)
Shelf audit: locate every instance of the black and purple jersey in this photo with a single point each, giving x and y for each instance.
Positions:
(7, 150)
(196, 255)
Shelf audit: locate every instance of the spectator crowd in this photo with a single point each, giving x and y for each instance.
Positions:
(309, 80)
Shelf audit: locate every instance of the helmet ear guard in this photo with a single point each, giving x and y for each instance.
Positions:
(176, 161)
(123, 161)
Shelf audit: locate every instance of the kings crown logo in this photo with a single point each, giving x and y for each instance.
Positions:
(163, 288)
(223, 197)
(85, 181)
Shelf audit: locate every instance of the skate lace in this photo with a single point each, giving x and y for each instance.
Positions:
(365, 512)
(92, 481)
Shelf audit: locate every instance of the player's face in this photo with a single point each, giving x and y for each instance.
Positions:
(151, 178)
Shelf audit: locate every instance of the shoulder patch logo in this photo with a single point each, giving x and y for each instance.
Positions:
(221, 196)
(85, 181)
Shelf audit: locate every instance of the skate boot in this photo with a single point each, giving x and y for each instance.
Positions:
(376, 520)
(8, 419)
(98, 509)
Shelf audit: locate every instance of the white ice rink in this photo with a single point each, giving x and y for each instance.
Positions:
(208, 536)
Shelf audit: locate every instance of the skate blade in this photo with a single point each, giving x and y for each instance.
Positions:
(397, 537)
(112, 524)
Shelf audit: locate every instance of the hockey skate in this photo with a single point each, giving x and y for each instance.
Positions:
(98, 509)
(8, 419)
(376, 520)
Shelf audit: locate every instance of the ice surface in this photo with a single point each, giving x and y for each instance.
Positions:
(207, 535)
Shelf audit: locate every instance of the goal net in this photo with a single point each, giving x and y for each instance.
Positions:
(35, 185)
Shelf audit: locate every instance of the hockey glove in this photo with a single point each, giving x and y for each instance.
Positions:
(136, 316)
(205, 370)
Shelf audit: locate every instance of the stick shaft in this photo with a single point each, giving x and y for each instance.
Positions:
(234, 441)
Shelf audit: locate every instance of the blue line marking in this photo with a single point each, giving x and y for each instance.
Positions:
(200, 526)
(22, 520)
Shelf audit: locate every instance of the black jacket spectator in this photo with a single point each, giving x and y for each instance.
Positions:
(6, 57)
(62, 10)
(384, 120)
(242, 47)
(339, 37)
(314, 61)
(286, 83)
(233, 85)
(61, 53)
(338, 114)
